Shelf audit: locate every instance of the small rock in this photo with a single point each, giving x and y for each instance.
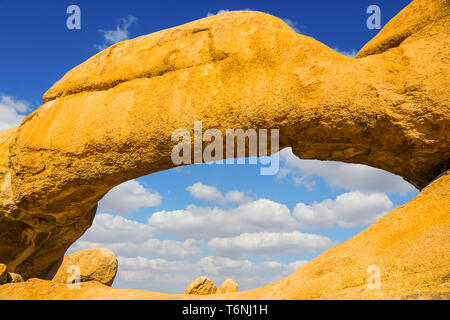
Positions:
(14, 278)
(3, 274)
(94, 265)
(201, 285)
(228, 285)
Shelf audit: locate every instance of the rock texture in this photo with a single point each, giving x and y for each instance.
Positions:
(201, 286)
(418, 16)
(95, 265)
(6, 277)
(110, 119)
(3, 274)
(229, 285)
(14, 278)
(410, 245)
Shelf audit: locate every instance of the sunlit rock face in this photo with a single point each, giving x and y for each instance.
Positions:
(91, 265)
(110, 119)
(201, 286)
(229, 285)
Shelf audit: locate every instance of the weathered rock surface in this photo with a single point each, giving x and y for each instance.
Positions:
(418, 15)
(6, 277)
(410, 245)
(32, 244)
(14, 278)
(95, 265)
(110, 119)
(201, 286)
(3, 274)
(229, 285)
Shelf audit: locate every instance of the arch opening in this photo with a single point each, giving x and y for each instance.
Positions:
(229, 221)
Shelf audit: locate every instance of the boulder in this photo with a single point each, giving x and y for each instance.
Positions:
(3, 274)
(110, 119)
(14, 278)
(229, 285)
(202, 286)
(6, 277)
(94, 265)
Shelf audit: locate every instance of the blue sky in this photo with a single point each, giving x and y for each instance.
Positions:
(214, 220)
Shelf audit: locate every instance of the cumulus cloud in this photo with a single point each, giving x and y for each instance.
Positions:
(108, 228)
(349, 53)
(119, 34)
(174, 276)
(211, 193)
(12, 112)
(291, 23)
(348, 210)
(197, 222)
(168, 249)
(131, 238)
(172, 266)
(226, 236)
(210, 14)
(128, 197)
(203, 192)
(269, 243)
(236, 196)
(340, 175)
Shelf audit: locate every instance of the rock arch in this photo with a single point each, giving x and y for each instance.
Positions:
(110, 119)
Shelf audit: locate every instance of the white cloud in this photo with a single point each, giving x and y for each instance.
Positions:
(197, 222)
(269, 243)
(340, 175)
(108, 228)
(203, 192)
(119, 34)
(292, 24)
(182, 169)
(130, 238)
(11, 112)
(220, 11)
(216, 265)
(168, 249)
(173, 267)
(348, 210)
(296, 264)
(128, 197)
(176, 249)
(211, 193)
(349, 53)
(260, 227)
(236, 196)
(174, 276)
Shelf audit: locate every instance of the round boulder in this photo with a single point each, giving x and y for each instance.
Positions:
(92, 264)
(202, 286)
(228, 285)
(3, 274)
